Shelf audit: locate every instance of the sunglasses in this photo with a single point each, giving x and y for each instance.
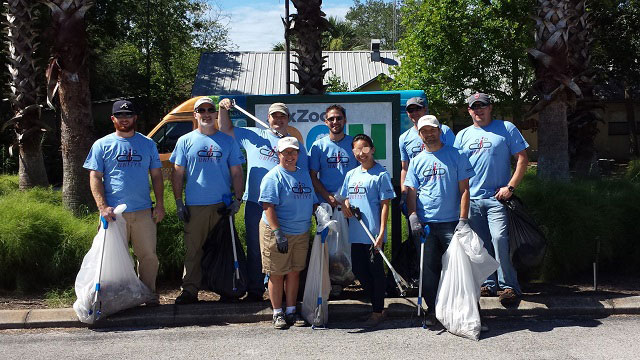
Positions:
(413, 109)
(209, 110)
(364, 150)
(123, 114)
(478, 106)
(335, 118)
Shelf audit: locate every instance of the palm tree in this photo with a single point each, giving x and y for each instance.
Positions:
(307, 26)
(341, 36)
(68, 72)
(558, 39)
(24, 94)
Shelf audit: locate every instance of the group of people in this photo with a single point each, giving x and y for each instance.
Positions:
(447, 182)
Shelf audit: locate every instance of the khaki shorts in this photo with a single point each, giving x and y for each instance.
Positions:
(275, 263)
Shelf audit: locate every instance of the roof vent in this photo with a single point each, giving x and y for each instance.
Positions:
(375, 49)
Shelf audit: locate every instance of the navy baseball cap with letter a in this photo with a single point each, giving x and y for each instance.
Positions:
(123, 106)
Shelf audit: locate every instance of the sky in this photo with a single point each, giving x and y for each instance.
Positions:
(255, 25)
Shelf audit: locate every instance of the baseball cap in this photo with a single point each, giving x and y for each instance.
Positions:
(121, 106)
(288, 142)
(278, 107)
(479, 97)
(206, 100)
(418, 101)
(428, 120)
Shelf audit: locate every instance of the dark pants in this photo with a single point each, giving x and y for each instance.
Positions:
(370, 274)
(436, 244)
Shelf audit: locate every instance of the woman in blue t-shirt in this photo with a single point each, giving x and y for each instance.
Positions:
(368, 187)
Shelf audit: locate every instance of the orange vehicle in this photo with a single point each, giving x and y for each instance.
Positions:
(180, 121)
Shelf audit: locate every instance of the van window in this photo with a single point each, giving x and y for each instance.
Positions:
(167, 136)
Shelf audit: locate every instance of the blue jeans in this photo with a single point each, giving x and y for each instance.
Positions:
(488, 218)
(436, 244)
(252, 216)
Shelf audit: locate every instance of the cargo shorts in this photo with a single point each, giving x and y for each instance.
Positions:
(276, 263)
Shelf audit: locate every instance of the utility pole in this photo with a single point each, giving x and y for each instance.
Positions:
(287, 46)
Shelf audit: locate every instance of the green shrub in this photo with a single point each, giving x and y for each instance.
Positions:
(41, 243)
(8, 184)
(576, 216)
(633, 171)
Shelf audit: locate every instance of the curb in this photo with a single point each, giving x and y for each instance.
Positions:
(211, 313)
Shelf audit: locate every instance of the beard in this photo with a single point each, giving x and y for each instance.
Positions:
(119, 127)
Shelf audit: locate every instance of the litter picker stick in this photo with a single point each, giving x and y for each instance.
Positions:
(226, 198)
(400, 281)
(317, 320)
(423, 239)
(233, 103)
(96, 306)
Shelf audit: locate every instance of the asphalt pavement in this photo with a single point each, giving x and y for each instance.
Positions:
(215, 312)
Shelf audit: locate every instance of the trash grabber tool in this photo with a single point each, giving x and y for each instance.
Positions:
(226, 198)
(423, 239)
(400, 281)
(317, 319)
(277, 133)
(96, 305)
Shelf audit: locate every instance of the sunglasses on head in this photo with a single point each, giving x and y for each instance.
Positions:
(478, 106)
(335, 118)
(209, 110)
(123, 114)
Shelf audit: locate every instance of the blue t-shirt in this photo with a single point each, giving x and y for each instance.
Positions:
(206, 159)
(489, 150)
(332, 160)
(365, 189)
(435, 177)
(411, 144)
(292, 194)
(261, 146)
(125, 165)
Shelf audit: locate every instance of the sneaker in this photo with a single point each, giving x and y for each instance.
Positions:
(486, 291)
(294, 319)
(373, 321)
(508, 297)
(185, 298)
(430, 320)
(279, 321)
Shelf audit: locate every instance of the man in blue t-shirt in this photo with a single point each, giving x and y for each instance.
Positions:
(211, 162)
(119, 165)
(410, 142)
(331, 157)
(489, 144)
(262, 155)
(437, 185)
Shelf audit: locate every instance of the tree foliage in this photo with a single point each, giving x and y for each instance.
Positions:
(151, 49)
(373, 19)
(453, 46)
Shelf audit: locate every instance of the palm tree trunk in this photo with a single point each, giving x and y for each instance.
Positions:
(553, 153)
(631, 120)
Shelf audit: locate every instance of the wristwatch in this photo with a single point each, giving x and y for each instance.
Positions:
(510, 188)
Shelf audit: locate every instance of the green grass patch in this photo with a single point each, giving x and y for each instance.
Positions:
(60, 298)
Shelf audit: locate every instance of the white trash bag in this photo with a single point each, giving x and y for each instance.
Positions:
(465, 266)
(111, 272)
(316, 292)
(340, 267)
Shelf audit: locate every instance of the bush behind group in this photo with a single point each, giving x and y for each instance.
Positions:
(42, 244)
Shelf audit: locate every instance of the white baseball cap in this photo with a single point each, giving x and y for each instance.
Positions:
(428, 120)
(288, 142)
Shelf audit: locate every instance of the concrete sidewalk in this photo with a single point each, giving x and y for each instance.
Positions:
(208, 313)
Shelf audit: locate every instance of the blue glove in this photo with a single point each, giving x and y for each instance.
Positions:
(463, 225)
(281, 241)
(416, 227)
(182, 211)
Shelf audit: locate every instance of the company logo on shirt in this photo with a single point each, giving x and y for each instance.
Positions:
(209, 153)
(417, 150)
(337, 158)
(357, 190)
(269, 154)
(301, 191)
(434, 172)
(129, 158)
(479, 145)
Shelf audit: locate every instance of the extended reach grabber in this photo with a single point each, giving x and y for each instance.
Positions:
(265, 125)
